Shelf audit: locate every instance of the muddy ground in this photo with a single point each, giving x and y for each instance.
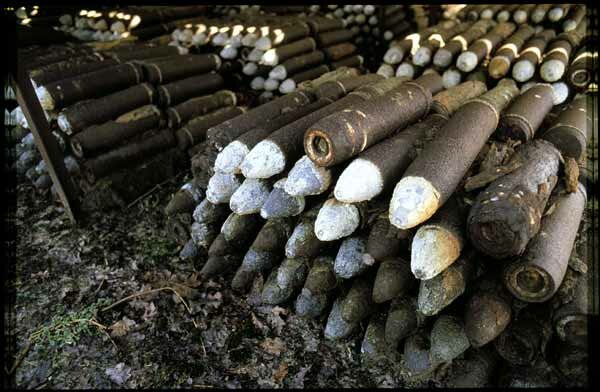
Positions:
(68, 278)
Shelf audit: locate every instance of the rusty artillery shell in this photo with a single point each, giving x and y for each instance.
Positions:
(194, 131)
(284, 280)
(475, 370)
(376, 169)
(386, 241)
(505, 55)
(416, 358)
(358, 303)
(507, 214)
(457, 145)
(576, 14)
(283, 35)
(531, 55)
(332, 76)
(62, 93)
(487, 314)
(180, 67)
(425, 53)
(339, 51)
(541, 269)
(68, 69)
(445, 56)
(280, 204)
(194, 107)
(448, 101)
(558, 53)
(264, 252)
(582, 68)
(142, 53)
(309, 74)
(128, 154)
(448, 339)
(350, 260)
(281, 53)
(526, 113)
(489, 11)
(355, 61)
(303, 242)
(521, 15)
(336, 327)
(173, 93)
(393, 279)
(296, 64)
(484, 46)
(284, 146)
(338, 88)
(327, 142)
(569, 132)
(330, 38)
(185, 199)
(210, 213)
(402, 321)
(317, 290)
(97, 111)
(437, 293)
(229, 130)
(373, 347)
(539, 13)
(319, 25)
(570, 320)
(438, 243)
(100, 137)
(217, 265)
(524, 340)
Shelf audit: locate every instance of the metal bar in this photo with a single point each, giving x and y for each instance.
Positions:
(47, 144)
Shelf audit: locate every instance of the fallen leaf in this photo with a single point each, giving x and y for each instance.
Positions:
(280, 373)
(121, 327)
(273, 346)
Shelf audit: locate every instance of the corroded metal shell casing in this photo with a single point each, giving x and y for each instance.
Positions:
(289, 50)
(358, 303)
(299, 63)
(403, 319)
(475, 370)
(330, 38)
(504, 56)
(448, 339)
(507, 214)
(526, 113)
(533, 49)
(140, 53)
(284, 281)
(460, 43)
(68, 68)
(484, 46)
(173, 93)
(318, 25)
(91, 85)
(194, 131)
(179, 67)
(570, 320)
(339, 51)
(336, 138)
(106, 135)
(450, 100)
(386, 240)
(392, 280)
(338, 88)
(318, 288)
(97, 111)
(541, 269)
(355, 61)
(286, 34)
(199, 106)
(310, 73)
(487, 314)
(569, 132)
(582, 68)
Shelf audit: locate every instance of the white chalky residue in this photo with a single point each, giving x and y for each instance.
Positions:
(349, 261)
(432, 251)
(231, 157)
(221, 186)
(250, 196)
(560, 92)
(552, 70)
(306, 178)
(467, 61)
(414, 201)
(265, 160)
(287, 86)
(336, 220)
(422, 57)
(360, 181)
(451, 78)
(278, 73)
(393, 55)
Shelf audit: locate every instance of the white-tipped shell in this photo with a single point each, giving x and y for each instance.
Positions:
(249, 197)
(386, 70)
(221, 186)
(255, 55)
(232, 156)
(405, 69)
(336, 220)
(278, 73)
(250, 69)
(433, 250)
(265, 160)
(228, 53)
(555, 14)
(413, 202)
(560, 92)
(258, 83)
(271, 84)
(552, 70)
(523, 71)
(306, 178)
(422, 57)
(360, 181)
(287, 86)
(263, 43)
(467, 61)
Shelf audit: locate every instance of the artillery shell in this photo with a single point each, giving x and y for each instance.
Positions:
(350, 260)
(281, 53)
(185, 199)
(487, 314)
(569, 132)
(451, 77)
(373, 347)
(179, 67)
(284, 35)
(423, 189)
(336, 220)
(570, 320)
(437, 293)
(531, 55)
(326, 142)
(219, 265)
(221, 187)
(521, 15)
(483, 47)
(232, 156)
(423, 56)
(539, 13)
(541, 269)
(358, 303)
(450, 100)
(444, 57)
(250, 196)
(62, 93)
(336, 327)
(305, 178)
(97, 111)
(336, 89)
(504, 56)
(296, 64)
(199, 106)
(526, 113)
(386, 240)
(190, 251)
(284, 281)
(576, 14)
(474, 371)
(210, 213)
(289, 85)
(140, 53)
(320, 25)
(303, 242)
(581, 70)
(448, 339)
(397, 50)
(416, 359)
(393, 279)
(103, 136)
(507, 214)
(203, 234)
(173, 93)
(333, 37)
(194, 131)
(68, 69)
(318, 288)
(355, 61)
(279, 204)
(402, 321)
(240, 228)
(339, 51)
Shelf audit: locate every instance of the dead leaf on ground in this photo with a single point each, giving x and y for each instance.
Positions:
(280, 373)
(273, 346)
